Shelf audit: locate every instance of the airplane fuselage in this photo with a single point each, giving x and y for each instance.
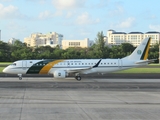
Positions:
(50, 66)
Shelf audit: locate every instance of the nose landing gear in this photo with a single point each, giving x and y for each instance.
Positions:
(20, 76)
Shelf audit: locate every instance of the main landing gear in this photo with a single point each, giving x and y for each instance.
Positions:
(20, 76)
(78, 77)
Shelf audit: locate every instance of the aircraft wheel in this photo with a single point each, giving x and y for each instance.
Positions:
(20, 76)
(78, 78)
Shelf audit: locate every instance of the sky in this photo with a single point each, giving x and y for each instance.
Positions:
(77, 19)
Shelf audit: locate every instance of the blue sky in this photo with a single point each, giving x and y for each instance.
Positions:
(77, 19)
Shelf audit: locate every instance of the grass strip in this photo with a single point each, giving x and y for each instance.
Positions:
(140, 70)
(1, 68)
(6, 63)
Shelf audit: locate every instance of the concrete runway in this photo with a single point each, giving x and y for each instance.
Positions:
(109, 75)
(46, 98)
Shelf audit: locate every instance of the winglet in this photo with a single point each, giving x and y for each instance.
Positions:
(96, 65)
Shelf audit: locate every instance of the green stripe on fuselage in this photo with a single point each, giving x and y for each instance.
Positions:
(36, 68)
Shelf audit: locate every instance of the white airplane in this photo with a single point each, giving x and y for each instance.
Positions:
(62, 68)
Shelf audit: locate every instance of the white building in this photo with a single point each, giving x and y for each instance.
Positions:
(12, 40)
(77, 43)
(38, 39)
(155, 36)
(135, 38)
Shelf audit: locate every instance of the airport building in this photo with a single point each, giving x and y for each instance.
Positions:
(135, 38)
(77, 43)
(38, 39)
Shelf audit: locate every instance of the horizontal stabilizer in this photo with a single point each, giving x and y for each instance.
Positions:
(145, 61)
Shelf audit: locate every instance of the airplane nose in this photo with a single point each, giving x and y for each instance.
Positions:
(4, 70)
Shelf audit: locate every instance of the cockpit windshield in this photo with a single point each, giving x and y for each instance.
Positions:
(13, 64)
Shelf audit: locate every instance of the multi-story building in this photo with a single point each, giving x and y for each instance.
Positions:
(38, 39)
(155, 37)
(135, 38)
(76, 43)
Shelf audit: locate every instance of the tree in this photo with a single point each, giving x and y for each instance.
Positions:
(57, 53)
(100, 43)
(127, 48)
(5, 52)
(154, 52)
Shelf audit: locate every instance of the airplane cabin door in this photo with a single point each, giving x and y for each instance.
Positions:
(120, 64)
(24, 64)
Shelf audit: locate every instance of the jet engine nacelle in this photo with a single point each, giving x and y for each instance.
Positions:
(59, 74)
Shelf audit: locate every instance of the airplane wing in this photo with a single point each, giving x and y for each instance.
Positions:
(74, 70)
(145, 61)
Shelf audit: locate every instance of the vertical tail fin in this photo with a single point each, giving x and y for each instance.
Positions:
(141, 52)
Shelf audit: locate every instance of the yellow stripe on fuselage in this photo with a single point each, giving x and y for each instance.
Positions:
(47, 67)
(147, 50)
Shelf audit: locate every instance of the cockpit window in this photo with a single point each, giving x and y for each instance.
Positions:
(14, 64)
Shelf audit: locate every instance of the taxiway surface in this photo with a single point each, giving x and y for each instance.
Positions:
(89, 99)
